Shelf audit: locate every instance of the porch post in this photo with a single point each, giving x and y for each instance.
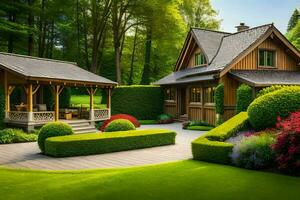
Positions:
(57, 90)
(91, 92)
(30, 102)
(6, 93)
(108, 102)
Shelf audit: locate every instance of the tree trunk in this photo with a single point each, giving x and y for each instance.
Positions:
(130, 82)
(118, 64)
(11, 18)
(146, 72)
(31, 25)
(78, 30)
(51, 45)
(86, 41)
(42, 30)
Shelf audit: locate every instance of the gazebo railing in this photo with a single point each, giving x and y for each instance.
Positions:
(43, 116)
(101, 114)
(18, 116)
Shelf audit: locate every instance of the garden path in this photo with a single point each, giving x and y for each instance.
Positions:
(27, 155)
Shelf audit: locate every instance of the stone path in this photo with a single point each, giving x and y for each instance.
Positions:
(26, 155)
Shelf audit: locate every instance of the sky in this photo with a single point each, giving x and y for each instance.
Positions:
(254, 12)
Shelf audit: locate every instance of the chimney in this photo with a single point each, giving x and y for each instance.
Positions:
(241, 27)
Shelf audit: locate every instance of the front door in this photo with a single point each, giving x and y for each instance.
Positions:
(182, 101)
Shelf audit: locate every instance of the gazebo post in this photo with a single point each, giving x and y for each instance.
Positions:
(6, 93)
(30, 102)
(57, 90)
(108, 98)
(91, 92)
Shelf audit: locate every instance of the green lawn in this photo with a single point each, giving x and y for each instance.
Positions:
(179, 180)
(84, 100)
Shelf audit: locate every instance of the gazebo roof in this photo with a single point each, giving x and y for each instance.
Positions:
(41, 69)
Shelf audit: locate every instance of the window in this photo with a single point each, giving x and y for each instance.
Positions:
(209, 95)
(200, 59)
(266, 58)
(170, 94)
(195, 95)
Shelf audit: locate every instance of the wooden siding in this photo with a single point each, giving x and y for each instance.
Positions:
(191, 62)
(171, 108)
(1, 77)
(284, 61)
(230, 87)
(195, 112)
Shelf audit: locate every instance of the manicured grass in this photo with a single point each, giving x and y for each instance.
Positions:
(148, 121)
(84, 100)
(190, 180)
(200, 128)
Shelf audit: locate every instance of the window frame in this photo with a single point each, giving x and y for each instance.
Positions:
(212, 102)
(192, 96)
(169, 100)
(266, 51)
(202, 58)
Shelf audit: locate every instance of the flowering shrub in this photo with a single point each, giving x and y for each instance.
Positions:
(287, 146)
(120, 116)
(119, 125)
(165, 119)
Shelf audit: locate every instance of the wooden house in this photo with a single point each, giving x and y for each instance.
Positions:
(33, 75)
(259, 57)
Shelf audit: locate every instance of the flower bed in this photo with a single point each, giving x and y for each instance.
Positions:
(95, 143)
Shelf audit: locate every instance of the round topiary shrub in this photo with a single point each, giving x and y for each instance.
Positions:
(263, 111)
(119, 125)
(51, 130)
(244, 98)
(120, 116)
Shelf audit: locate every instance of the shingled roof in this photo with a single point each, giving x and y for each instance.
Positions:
(220, 48)
(33, 68)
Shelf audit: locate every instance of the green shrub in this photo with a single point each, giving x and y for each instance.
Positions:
(142, 102)
(119, 125)
(270, 89)
(165, 119)
(65, 98)
(254, 152)
(9, 135)
(148, 121)
(51, 130)
(95, 143)
(2, 108)
(219, 99)
(210, 146)
(264, 110)
(244, 98)
(200, 128)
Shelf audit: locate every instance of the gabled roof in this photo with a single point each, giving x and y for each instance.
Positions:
(34, 68)
(223, 49)
(262, 78)
(209, 41)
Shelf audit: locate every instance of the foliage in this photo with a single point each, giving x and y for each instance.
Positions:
(119, 125)
(2, 108)
(202, 181)
(48, 97)
(254, 152)
(264, 110)
(8, 136)
(200, 128)
(132, 119)
(142, 102)
(147, 121)
(287, 146)
(65, 98)
(197, 125)
(51, 130)
(219, 99)
(293, 20)
(294, 35)
(84, 101)
(95, 143)
(270, 89)
(165, 118)
(210, 146)
(244, 98)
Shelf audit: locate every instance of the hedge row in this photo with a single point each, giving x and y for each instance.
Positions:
(211, 146)
(244, 98)
(264, 110)
(95, 143)
(142, 102)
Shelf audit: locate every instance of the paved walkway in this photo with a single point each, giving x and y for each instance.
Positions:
(27, 155)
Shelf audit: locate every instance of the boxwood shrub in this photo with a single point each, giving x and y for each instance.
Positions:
(51, 130)
(95, 143)
(264, 110)
(270, 89)
(2, 108)
(211, 146)
(142, 102)
(119, 125)
(244, 98)
(219, 99)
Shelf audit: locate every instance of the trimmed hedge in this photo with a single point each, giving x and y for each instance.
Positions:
(119, 125)
(211, 146)
(219, 99)
(264, 110)
(2, 108)
(51, 130)
(244, 98)
(95, 143)
(142, 102)
(270, 89)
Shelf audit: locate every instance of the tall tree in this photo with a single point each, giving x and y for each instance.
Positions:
(294, 35)
(293, 20)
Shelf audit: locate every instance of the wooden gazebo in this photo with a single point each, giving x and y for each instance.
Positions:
(33, 74)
